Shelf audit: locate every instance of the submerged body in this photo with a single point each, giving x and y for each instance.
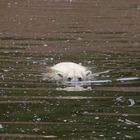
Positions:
(70, 72)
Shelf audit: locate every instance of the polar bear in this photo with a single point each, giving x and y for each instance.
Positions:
(69, 72)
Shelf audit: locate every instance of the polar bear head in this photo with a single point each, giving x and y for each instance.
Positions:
(73, 75)
(71, 72)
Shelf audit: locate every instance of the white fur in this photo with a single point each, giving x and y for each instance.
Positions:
(69, 71)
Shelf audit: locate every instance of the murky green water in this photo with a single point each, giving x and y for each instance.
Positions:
(103, 35)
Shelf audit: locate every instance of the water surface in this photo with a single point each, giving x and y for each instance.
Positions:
(102, 35)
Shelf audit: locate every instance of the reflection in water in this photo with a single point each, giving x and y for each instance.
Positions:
(74, 88)
(128, 78)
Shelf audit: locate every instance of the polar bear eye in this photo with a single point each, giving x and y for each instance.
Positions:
(60, 75)
(69, 78)
(79, 79)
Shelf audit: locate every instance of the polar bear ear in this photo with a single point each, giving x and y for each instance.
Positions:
(88, 73)
(60, 74)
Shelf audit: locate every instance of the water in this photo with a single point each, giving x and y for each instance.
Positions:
(103, 35)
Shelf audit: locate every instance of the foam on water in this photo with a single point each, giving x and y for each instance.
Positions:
(132, 102)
